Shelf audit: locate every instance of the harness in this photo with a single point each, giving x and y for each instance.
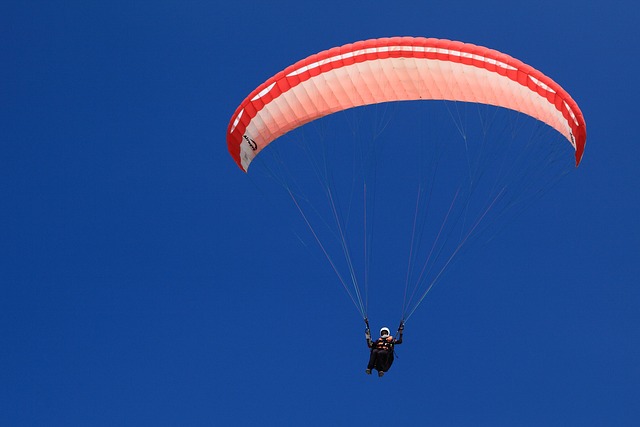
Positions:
(384, 343)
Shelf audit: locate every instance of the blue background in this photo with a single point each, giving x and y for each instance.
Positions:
(144, 281)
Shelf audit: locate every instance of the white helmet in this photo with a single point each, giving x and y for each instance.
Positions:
(384, 332)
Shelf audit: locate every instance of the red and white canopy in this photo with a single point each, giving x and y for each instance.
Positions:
(395, 69)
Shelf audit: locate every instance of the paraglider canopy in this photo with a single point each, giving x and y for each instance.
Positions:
(393, 69)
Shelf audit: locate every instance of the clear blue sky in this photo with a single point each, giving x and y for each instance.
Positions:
(145, 281)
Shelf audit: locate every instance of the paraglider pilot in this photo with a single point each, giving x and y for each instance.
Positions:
(382, 349)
